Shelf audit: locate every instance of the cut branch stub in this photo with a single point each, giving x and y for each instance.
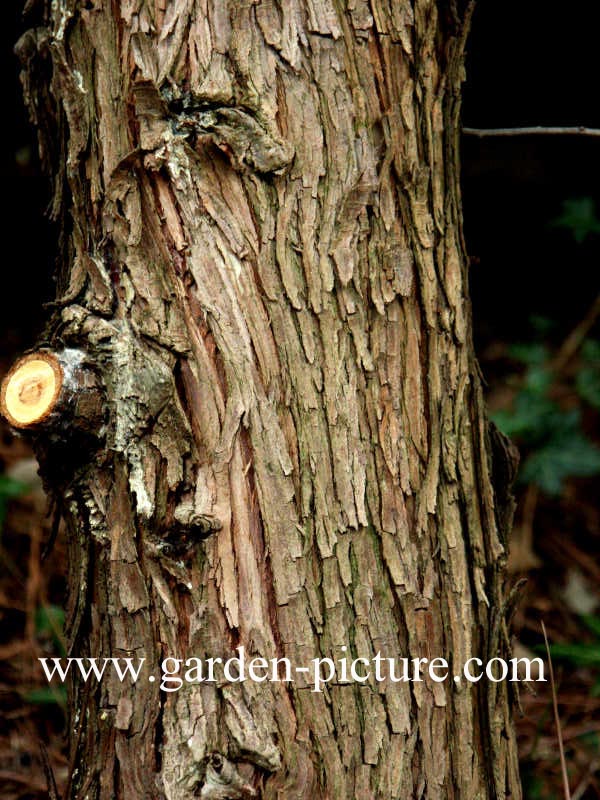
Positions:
(54, 391)
(31, 389)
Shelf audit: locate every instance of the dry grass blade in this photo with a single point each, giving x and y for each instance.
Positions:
(561, 749)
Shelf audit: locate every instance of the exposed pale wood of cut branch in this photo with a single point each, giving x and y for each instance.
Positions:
(31, 389)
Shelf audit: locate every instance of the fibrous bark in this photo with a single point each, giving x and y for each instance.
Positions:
(262, 258)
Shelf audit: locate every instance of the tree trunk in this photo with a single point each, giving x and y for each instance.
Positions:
(262, 264)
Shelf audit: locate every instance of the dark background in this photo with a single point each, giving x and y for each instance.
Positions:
(529, 63)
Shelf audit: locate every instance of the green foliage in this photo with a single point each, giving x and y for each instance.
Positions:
(592, 623)
(49, 625)
(591, 740)
(47, 696)
(582, 654)
(550, 436)
(534, 787)
(570, 455)
(588, 377)
(579, 216)
(9, 489)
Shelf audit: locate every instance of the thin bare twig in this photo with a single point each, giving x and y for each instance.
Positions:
(561, 749)
(575, 339)
(52, 788)
(580, 791)
(532, 130)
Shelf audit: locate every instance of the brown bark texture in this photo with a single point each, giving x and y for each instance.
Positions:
(262, 265)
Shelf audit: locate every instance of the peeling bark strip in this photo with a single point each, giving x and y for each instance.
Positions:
(262, 258)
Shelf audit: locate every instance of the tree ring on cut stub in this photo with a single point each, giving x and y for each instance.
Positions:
(31, 389)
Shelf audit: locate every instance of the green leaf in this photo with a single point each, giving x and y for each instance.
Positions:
(541, 325)
(538, 379)
(532, 353)
(571, 456)
(582, 655)
(47, 696)
(593, 623)
(49, 619)
(587, 381)
(590, 350)
(533, 787)
(590, 739)
(578, 216)
(9, 489)
(532, 418)
(49, 623)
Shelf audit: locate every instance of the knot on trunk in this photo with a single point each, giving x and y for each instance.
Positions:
(221, 780)
(238, 134)
(247, 137)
